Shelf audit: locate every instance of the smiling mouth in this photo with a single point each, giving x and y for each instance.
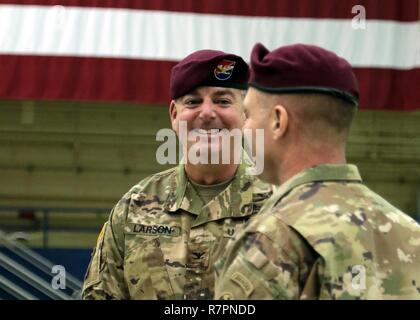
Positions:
(207, 132)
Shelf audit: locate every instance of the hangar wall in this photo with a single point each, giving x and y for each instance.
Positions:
(66, 154)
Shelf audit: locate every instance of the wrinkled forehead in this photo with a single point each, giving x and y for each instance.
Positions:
(214, 92)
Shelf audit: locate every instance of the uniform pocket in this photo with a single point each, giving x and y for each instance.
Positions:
(145, 271)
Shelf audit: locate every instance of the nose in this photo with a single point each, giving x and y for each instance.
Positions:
(207, 111)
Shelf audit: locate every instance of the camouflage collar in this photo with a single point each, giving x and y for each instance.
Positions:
(177, 187)
(325, 172)
(235, 201)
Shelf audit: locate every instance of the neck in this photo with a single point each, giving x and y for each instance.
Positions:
(210, 173)
(299, 160)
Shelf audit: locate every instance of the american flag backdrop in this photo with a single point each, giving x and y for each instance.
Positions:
(123, 50)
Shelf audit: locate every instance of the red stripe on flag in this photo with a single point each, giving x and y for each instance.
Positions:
(389, 89)
(92, 79)
(147, 82)
(407, 10)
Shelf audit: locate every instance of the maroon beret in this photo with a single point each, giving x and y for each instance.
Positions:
(208, 68)
(302, 68)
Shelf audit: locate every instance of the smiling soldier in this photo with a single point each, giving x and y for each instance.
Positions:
(163, 237)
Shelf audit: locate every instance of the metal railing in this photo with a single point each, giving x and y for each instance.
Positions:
(14, 290)
(36, 260)
(27, 274)
(31, 279)
(46, 213)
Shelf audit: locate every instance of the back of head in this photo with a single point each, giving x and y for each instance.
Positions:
(319, 116)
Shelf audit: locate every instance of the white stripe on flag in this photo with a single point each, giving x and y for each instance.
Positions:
(161, 35)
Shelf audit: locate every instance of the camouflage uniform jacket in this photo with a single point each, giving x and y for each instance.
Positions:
(323, 235)
(161, 243)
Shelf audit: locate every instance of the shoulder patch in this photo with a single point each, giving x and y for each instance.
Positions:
(101, 234)
(242, 281)
(226, 296)
(256, 257)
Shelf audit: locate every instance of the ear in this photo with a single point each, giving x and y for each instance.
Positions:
(280, 121)
(173, 113)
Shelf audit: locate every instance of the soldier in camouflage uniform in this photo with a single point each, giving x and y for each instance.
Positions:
(323, 234)
(164, 235)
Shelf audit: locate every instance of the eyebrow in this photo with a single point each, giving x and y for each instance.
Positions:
(192, 94)
(219, 93)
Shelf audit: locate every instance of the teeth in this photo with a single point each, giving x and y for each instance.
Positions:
(208, 131)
